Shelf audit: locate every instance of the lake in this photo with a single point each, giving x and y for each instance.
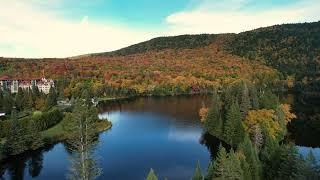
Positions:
(160, 133)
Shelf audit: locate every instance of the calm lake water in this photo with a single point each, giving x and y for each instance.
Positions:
(160, 133)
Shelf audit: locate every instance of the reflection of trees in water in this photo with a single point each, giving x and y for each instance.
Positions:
(16, 165)
(212, 143)
(182, 107)
(306, 128)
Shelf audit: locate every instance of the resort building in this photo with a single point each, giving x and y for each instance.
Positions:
(13, 85)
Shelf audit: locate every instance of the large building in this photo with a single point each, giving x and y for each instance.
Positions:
(13, 85)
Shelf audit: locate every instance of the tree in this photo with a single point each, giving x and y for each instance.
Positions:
(52, 98)
(250, 152)
(220, 168)
(233, 130)
(33, 137)
(210, 171)
(214, 123)
(151, 175)
(245, 104)
(84, 165)
(197, 173)
(16, 141)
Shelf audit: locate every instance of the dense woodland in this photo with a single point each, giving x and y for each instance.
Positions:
(293, 49)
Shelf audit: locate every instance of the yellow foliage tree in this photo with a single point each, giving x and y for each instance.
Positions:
(264, 118)
(286, 108)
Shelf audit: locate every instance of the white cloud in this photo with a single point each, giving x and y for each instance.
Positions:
(230, 16)
(28, 31)
(36, 28)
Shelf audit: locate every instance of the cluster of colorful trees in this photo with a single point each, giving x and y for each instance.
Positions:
(192, 65)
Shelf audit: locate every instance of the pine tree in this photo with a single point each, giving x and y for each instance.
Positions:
(197, 173)
(16, 141)
(19, 99)
(233, 128)
(52, 98)
(220, 167)
(210, 171)
(214, 123)
(151, 175)
(251, 154)
(234, 167)
(254, 97)
(245, 104)
(33, 137)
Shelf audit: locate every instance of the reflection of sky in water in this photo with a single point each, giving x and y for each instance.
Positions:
(305, 150)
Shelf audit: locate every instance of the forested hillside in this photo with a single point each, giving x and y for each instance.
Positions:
(169, 71)
(187, 64)
(293, 49)
(160, 43)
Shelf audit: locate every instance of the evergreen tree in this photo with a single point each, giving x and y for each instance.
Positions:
(233, 129)
(254, 97)
(151, 175)
(1, 100)
(220, 167)
(52, 98)
(234, 167)
(244, 166)
(33, 137)
(16, 141)
(251, 154)
(245, 104)
(290, 165)
(8, 102)
(214, 123)
(197, 173)
(269, 100)
(35, 91)
(20, 97)
(210, 171)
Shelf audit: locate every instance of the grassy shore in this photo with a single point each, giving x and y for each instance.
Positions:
(57, 133)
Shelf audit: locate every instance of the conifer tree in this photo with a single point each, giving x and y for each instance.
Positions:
(151, 175)
(233, 129)
(33, 137)
(219, 166)
(254, 97)
(210, 171)
(16, 141)
(197, 173)
(245, 104)
(214, 123)
(251, 154)
(234, 167)
(52, 98)
(19, 99)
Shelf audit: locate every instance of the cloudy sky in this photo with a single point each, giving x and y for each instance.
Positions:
(63, 28)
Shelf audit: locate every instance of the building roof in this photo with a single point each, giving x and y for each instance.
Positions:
(2, 78)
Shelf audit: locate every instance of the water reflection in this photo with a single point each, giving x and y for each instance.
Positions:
(30, 162)
(305, 130)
